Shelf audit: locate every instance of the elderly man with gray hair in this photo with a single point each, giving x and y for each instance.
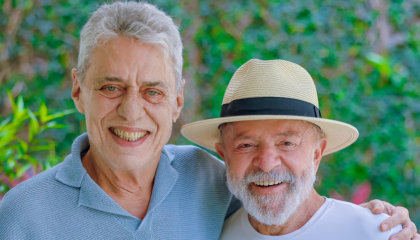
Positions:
(121, 180)
(272, 137)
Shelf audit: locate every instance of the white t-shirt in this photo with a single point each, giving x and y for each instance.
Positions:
(334, 220)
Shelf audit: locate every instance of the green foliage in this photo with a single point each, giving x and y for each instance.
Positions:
(363, 56)
(20, 147)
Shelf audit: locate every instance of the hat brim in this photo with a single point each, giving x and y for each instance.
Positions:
(206, 133)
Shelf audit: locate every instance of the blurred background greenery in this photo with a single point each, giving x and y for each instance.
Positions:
(362, 54)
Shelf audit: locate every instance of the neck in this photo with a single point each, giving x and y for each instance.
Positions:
(302, 215)
(132, 190)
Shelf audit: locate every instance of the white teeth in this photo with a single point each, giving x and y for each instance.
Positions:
(267, 183)
(128, 136)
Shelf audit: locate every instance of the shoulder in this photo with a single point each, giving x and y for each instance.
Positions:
(359, 220)
(355, 211)
(34, 194)
(205, 173)
(31, 185)
(193, 156)
(190, 151)
(24, 203)
(237, 226)
(196, 164)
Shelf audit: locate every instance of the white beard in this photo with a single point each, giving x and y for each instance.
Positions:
(274, 209)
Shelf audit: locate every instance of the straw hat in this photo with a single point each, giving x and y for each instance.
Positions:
(276, 89)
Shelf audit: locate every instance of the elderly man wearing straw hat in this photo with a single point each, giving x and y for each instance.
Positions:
(272, 137)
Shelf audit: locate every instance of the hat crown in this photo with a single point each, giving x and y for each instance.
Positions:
(273, 78)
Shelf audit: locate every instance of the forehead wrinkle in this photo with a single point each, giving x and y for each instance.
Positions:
(288, 133)
(244, 136)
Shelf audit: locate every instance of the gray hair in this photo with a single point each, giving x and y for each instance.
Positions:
(136, 20)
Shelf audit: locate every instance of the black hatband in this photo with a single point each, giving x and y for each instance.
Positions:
(269, 106)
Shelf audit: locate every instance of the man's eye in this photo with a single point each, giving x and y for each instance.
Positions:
(111, 89)
(288, 144)
(152, 93)
(246, 145)
(153, 96)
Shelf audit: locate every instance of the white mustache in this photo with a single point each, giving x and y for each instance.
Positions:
(274, 175)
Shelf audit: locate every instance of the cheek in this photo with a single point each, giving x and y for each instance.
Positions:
(100, 106)
(239, 166)
(159, 113)
(297, 162)
(105, 105)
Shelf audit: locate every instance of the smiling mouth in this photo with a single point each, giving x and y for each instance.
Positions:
(128, 136)
(267, 183)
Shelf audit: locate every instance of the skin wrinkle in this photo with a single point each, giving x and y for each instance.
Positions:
(100, 81)
(118, 170)
(267, 155)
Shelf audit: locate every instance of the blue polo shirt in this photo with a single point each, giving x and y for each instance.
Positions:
(190, 200)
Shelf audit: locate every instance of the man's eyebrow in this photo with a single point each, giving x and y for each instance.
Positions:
(241, 136)
(156, 83)
(101, 80)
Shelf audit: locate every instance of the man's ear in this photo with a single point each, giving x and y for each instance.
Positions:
(76, 92)
(219, 150)
(319, 152)
(179, 102)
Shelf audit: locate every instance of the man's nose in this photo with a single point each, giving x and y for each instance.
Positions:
(132, 105)
(268, 158)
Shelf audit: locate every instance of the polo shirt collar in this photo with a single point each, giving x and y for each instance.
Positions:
(165, 178)
(72, 173)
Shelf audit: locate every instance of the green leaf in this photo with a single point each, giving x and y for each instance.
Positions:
(380, 62)
(30, 159)
(5, 121)
(24, 146)
(7, 138)
(23, 169)
(53, 125)
(33, 126)
(18, 109)
(47, 164)
(9, 152)
(59, 114)
(9, 126)
(10, 164)
(36, 141)
(12, 101)
(43, 112)
(39, 148)
(20, 105)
